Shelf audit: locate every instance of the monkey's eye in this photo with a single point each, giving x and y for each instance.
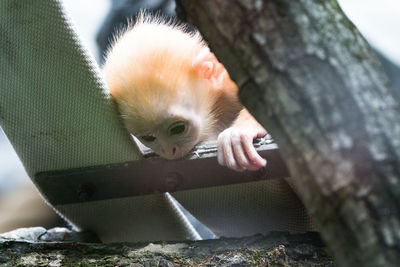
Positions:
(177, 128)
(148, 138)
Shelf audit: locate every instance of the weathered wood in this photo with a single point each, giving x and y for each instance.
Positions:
(309, 77)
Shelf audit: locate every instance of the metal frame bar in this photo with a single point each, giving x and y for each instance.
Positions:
(153, 175)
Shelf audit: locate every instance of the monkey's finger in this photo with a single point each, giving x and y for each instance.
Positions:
(247, 139)
(229, 156)
(256, 160)
(261, 133)
(225, 151)
(221, 149)
(239, 153)
(220, 152)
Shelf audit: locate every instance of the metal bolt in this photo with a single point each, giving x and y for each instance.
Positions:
(86, 191)
(172, 181)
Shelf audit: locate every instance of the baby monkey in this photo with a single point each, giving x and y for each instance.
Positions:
(173, 93)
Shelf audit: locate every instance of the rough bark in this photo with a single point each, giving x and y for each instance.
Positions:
(61, 247)
(308, 76)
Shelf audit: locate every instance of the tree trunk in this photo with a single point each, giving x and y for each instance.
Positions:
(309, 77)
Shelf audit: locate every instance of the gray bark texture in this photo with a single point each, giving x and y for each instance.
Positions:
(308, 76)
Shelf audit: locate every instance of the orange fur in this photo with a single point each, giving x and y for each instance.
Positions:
(158, 72)
(154, 54)
(150, 56)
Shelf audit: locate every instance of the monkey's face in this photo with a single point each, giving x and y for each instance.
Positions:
(172, 136)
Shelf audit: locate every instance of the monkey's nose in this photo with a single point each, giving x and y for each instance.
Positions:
(173, 152)
(170, 152)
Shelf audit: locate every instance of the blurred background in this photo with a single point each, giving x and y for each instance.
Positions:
(20, 203)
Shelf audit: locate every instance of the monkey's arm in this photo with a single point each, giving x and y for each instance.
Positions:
(235, 144)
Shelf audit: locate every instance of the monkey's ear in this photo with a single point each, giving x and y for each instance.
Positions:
(208, 66)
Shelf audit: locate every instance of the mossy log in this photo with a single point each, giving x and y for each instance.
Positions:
(62, 247)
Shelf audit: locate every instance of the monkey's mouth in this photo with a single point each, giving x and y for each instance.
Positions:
(188, 148)
(179, 154)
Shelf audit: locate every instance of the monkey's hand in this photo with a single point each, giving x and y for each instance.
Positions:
(235, 147)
